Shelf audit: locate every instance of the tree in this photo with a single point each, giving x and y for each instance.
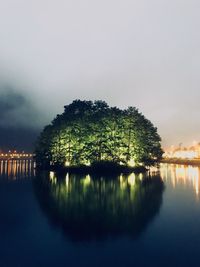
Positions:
(88, 131)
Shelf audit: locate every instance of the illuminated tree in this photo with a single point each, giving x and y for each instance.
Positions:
(90, 132)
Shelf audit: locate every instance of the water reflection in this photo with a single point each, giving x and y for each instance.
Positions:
(90, 208)
(187, 176)
(16, 169)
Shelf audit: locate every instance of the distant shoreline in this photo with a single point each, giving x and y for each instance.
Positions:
(193, 162)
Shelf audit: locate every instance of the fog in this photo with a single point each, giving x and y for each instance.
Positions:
(128, 53)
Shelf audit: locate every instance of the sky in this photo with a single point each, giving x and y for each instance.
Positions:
(129, 53)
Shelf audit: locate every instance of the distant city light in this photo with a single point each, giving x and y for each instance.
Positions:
(180, 152)
(15, 155)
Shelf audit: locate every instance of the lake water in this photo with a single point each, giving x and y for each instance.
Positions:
(135, 220)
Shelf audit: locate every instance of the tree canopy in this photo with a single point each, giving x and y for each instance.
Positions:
(88, 132)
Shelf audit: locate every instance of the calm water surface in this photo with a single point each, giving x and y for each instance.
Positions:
(144, 220)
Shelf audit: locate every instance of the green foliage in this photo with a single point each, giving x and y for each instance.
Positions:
(87, 208)
(89, 132)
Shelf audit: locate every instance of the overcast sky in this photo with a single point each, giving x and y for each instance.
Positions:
(129, 53)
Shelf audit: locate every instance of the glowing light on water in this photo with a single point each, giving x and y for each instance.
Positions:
(140, 176)
(53, 177)
(67, 180)
(197, 186)
(123, 182)
(121, 178)
(14, 169)
(131, 179)
(182, 175)
(87, 180)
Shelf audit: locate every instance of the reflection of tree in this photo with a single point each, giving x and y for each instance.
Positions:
(89, 208)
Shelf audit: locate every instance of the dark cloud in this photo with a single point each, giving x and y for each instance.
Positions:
(10, 101)
(18, 139)
(19, 118)
(16, 109)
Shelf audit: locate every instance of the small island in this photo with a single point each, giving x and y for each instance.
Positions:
(92, 136)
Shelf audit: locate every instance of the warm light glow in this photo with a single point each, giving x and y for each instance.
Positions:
(131, 179)
(123, 182)
(87, 180)
(67, 163)
(67, 180)
(52, 175)
(192, 152)
(131, 163)
(140, 176)
(183, 175)
(194, 143)
(16, 155)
